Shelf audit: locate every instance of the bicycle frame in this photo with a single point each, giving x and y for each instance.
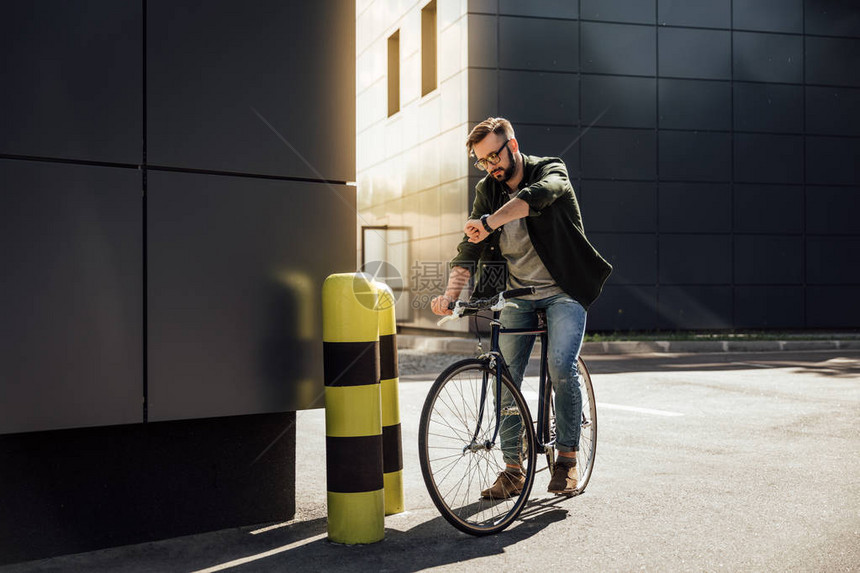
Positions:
(495, 358)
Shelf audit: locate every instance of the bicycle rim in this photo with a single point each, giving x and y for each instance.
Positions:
(456, 474)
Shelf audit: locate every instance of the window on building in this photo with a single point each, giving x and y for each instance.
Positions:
(385, 257)
(428, 48)
(394, 73)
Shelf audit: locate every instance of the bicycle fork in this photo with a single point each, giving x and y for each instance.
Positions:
(475, 446)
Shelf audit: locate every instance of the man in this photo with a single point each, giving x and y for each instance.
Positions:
(526, 216)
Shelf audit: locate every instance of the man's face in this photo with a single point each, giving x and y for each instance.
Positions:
(505, 168)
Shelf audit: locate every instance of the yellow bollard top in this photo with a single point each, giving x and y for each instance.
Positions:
(385, 306)
(349, 303)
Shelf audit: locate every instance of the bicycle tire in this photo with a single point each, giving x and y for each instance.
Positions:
(454, 474)
(588, 436)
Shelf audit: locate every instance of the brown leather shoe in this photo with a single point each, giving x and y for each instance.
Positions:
(563, 481)
(508, 484)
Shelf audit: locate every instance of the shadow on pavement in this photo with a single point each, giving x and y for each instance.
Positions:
(429, 544)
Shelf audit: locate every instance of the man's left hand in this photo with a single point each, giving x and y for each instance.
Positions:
(475, 230)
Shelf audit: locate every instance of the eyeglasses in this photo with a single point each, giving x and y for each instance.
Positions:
(491, 159)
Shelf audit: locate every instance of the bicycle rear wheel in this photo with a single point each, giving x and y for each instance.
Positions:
(588, 437)
(457, 464)
(588, 434)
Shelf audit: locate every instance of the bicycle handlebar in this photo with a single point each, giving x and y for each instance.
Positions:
(495, 303)
(487, 303)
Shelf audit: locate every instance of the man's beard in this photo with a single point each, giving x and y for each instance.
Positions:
(508, 172)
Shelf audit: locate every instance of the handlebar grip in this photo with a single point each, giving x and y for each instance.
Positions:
(514, 293)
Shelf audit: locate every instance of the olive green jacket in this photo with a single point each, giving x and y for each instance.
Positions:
(555, 227)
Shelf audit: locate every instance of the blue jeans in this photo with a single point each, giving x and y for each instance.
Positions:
(566, 327)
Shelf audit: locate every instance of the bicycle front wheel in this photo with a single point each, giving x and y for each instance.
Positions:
(460, 460)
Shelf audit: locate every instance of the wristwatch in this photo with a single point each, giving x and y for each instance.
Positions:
(486, 225)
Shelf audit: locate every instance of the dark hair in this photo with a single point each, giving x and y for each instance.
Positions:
(490, 125)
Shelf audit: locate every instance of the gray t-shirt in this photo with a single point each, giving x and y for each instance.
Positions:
(525, 269)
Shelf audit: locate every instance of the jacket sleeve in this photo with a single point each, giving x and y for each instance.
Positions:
(551, 183)
(469, 253)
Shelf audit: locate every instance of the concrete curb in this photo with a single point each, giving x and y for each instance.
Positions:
(441, 344)
(701, 346)
(456, 345)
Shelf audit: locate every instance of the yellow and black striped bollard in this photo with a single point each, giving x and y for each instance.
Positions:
(392, 451)
(353, 410)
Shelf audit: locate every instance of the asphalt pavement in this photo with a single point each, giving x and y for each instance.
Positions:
(719, 461)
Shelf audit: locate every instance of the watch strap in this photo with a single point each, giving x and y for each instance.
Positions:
(486, 225)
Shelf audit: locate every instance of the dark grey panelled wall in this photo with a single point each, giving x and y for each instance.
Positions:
(71, 217)
(71, 332)
(171, 203)
(221, 74)
(172, 196)
(714, 146)
(236, 264)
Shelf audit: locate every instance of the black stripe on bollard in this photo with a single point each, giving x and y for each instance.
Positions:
(354, 464)
(388, 356)
(392, 454)
(351, 363)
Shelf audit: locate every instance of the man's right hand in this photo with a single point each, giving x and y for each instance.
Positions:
(457, 280)
(439, 305)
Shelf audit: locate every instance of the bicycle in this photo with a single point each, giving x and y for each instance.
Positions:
(462, 424)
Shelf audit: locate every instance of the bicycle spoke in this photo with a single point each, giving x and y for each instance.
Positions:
(457, 485)
(443, 422)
